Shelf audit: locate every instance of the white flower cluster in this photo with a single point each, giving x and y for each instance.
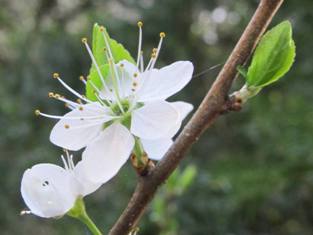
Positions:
(131, 109)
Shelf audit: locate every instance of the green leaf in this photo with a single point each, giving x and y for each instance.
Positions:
(187, 177)
(96, 80)
(273, 56)
(98, 44)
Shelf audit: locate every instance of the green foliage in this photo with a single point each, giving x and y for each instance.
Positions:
(273, 56)
(98, 49)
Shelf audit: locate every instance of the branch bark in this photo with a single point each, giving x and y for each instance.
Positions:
(208, 111)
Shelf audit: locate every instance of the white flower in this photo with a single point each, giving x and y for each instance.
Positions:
(131, 107)
(51, 191)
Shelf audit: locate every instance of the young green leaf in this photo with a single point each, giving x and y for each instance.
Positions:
(95, 79)
(273, 56)
(98, 45)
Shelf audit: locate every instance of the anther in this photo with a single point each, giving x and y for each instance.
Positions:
(140, 24)
(135, 75)
(81, 108)
(66, 126)
(57, 96)
(37, 112)
(84, 40)
(81, 78)
(102, 29)
(135, 84)
(55, 75)
(154, 50)
(66, 105)
(121, 65)
(162, 35)
(50, 94)
(79, 101)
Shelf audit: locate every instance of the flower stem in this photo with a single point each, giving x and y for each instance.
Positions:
(79, 212)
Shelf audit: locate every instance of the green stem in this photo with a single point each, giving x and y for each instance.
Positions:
(79, 212)
(90, 224)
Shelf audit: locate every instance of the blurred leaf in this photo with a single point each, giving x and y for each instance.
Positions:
(273, 56)
(186, 178)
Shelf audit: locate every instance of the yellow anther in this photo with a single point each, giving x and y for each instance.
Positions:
(135, 75)
(102, 28)
(55, 75)
(81, 108)
(81, 78)
(50, 94)
(66, 105)
(84, 40)
(57, 96)
(135, 84)
(153, 55)
(79, 101)
(37, 112)
(66, 126)
(121, 65)
(162, 35)
(140, 24)
(154, 50)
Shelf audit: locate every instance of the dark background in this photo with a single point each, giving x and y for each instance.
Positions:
(254, 168)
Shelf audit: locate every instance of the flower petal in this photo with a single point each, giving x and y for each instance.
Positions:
(163, 83)
(85, 186)
(154, 120)
(48, 190)
(103, 158)
(75, 130)
(183, 109)
(156, 148)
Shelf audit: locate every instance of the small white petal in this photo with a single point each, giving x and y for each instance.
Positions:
(103, 158)
(74, 134)
(154, 120)
(85, 186)
(156, 148)
(48, 190)
(163, 83)
(183, 109)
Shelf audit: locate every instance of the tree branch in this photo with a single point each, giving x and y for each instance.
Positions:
(211, 107)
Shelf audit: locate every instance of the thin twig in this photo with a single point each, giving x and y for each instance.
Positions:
(211, 107)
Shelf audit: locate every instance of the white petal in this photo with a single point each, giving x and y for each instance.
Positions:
(74, 134)
(125, 77)
(85, 186)
(103, 158)
(183, 109)
(154, 120)
(48, 190)
(163, 83)
(156, 148)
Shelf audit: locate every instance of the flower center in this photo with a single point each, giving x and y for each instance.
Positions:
(116, 109)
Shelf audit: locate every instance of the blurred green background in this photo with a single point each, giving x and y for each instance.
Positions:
(252, 171)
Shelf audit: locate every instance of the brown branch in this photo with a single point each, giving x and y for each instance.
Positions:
(211, 107)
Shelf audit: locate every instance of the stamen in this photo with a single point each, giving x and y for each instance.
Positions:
(56, 76)
(25, 212)
(93, 59)
(162, 35)
(140, 24)
(141, 62)
(81, 78)
(38, 113)
(64, 162)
